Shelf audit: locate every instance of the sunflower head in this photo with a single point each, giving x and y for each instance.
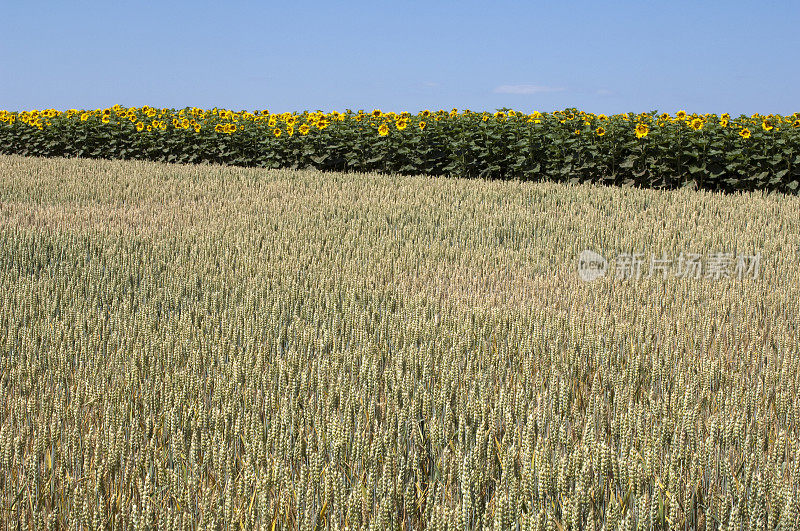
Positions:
(303, 129)
(383, 130)
(767, 125)
(696, 124)
(423, 124)
(680, 115)
(642, 130)
(744, 133)
(600, 131)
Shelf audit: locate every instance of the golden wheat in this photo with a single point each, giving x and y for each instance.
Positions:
(195, 347)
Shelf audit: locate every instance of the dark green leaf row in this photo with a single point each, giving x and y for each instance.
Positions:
(644, 150)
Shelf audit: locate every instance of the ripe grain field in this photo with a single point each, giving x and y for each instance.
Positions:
(209, 347)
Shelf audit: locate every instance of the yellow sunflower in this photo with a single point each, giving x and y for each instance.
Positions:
(401, 124)
(696, 124)
(600, 131)
(642, 130)
(680, 115)
(140, 126)
(383, 130)
(276, 132)
(767, 125)
(423, 124)
(303, 129)
(744, 133)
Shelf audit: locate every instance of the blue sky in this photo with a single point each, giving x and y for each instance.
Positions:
(602, 57)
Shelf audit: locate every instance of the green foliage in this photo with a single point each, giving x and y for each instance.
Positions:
(708, 151)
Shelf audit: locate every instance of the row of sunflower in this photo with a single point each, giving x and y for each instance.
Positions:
(646, 149)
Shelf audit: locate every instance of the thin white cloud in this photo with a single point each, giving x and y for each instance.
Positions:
(604, 92)
(430, 84)
(526, 88)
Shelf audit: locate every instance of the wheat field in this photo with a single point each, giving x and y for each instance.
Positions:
(209, 347)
